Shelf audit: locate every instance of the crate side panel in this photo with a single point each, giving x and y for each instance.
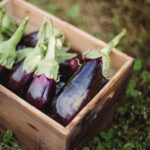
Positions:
(28, 128)
(96, 117)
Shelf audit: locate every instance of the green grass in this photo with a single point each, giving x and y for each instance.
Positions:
(104, 19)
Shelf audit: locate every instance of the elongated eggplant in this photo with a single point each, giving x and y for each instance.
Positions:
(78, 92)
(8, 50)
(84, 85)
(31, 39)
(43, 86)
(68, 68)
(21, 76)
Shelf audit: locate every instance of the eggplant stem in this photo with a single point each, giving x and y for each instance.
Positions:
(14, 40)
(107, 50)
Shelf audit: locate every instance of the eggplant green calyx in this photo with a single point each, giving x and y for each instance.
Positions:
(32, 59)
(104, 53)
(49, 65)
(8, 26)
(8, 48)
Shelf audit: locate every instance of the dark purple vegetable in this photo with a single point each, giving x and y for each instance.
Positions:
(68, 68)
(8, 50)
(41, 92)
(22, 75)
(43, 86)
(84, 85)
(78, 92)
(30, 40)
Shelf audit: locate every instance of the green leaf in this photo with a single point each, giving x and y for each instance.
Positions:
(137, 65)
(73, 12)
(128, 146)
(131, 90)
(6, 137)
(53, 8)
(145, 77)
(86, 148)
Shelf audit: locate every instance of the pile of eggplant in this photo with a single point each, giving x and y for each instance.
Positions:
(41, 69)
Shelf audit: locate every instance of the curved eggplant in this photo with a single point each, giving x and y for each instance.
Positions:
(20, 77)
(8, 52)
(78, 92)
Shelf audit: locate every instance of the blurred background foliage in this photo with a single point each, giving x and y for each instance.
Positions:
(104, 19)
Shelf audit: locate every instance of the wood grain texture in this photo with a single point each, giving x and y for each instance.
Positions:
(32, 126)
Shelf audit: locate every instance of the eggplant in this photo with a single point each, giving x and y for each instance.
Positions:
(8, 51)
(43, 86)
(30, 40)
(68, 68)
(84, 85)
(21, 76)
(104, 53)
(78, 92)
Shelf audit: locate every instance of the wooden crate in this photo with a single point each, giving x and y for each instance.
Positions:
(32, 127)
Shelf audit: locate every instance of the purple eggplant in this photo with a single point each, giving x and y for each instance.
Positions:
(84, 85)
(68, 68)
(8, 50)
(30, 40)
(78, 92)
(41, 91)
(43, 86)
(22, 75)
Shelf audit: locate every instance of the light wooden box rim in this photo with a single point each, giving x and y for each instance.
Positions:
(103, 93)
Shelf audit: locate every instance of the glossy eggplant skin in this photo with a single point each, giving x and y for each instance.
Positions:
(30, 40)
(41, 92)
(59, 87)
(78, 92)
(67, 69)
(19, 80)
(4, 72)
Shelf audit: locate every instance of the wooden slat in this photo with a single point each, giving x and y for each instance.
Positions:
(28, 123)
